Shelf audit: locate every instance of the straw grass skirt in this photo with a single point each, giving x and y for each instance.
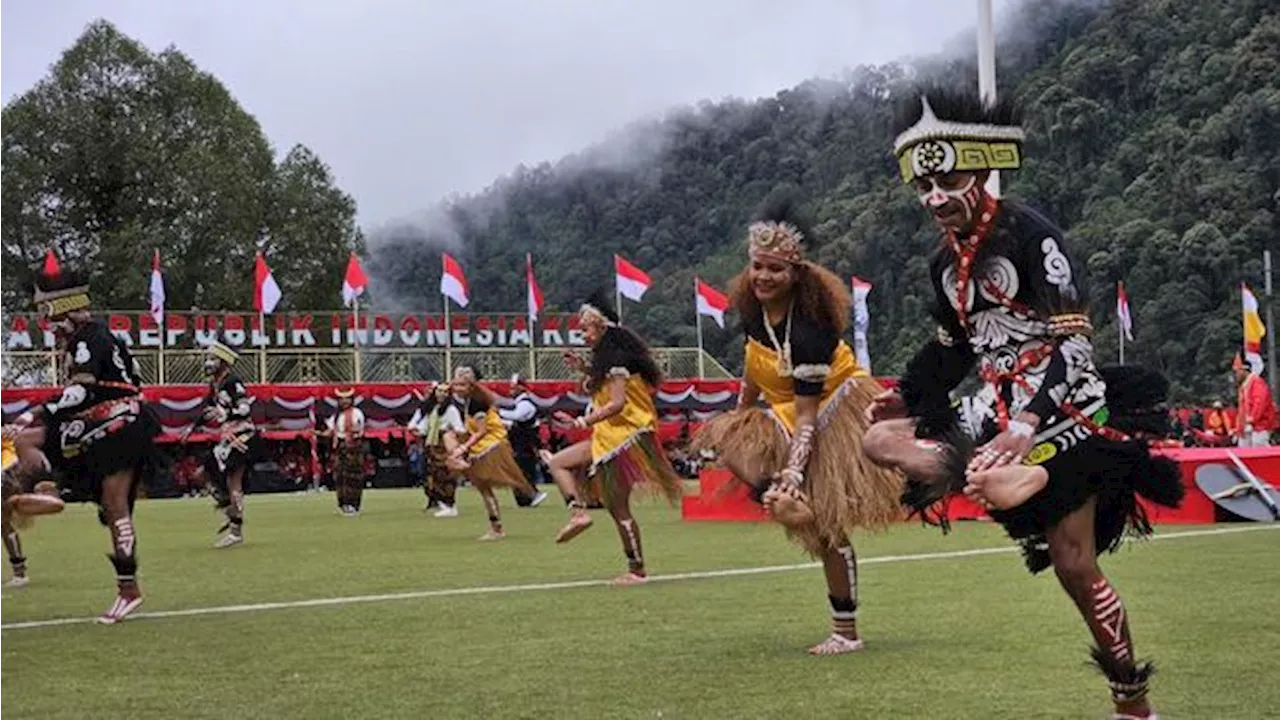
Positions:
(846, 490)
(497, 468)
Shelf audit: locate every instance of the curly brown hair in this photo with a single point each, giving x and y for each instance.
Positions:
(819, 296)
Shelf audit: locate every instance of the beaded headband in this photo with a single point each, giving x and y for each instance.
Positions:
(778, 240)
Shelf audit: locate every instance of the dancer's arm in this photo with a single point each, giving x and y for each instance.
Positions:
(617, 399)
(493, 398)
(812, 347)
(748, 393)
(1057, 297)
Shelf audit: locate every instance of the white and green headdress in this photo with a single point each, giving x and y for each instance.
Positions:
(944, 130)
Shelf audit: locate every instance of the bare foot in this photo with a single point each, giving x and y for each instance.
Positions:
(836, 645)
(788, 505)
(579, 521)
(1006, 487)
(492, 535)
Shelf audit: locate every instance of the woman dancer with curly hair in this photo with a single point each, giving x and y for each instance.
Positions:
(802, 453)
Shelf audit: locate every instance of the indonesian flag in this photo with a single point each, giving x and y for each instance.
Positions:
(157, 289)
(51, 267)
(1254, 330)
(453, 284)
(354, 282)
(711, 302)
(632, 281)
(534, 292)
(1122, 312)
(266, 293)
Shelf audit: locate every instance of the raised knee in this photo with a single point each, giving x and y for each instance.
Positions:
(879, 442)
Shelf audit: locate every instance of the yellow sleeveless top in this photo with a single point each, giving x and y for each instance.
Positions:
(779, 392)
(639, 414)
(497, 432)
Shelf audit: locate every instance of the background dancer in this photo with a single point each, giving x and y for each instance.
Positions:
(99, 434)
(438, 425)
(346, 433)
(230, 409)
(1009, 301)
(520, 415)
(486, 453)
(624, 452)
(803, 456)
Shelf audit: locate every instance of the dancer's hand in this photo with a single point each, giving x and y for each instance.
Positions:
(888, 405)
(562, 417)
(1006, 448)
(574, 361)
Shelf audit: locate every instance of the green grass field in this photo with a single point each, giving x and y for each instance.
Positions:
(949, 634)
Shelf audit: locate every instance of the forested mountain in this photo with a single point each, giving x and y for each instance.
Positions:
(1154, 132)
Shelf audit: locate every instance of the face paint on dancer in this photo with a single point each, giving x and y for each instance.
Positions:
(952, 198)
(771, 278)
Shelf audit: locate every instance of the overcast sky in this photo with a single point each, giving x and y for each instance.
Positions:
(410, 100)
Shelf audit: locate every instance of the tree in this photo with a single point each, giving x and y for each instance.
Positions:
(120, 151)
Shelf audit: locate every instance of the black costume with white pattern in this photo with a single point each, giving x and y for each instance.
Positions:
(1022, 323)
(101, 426)
(231, 408)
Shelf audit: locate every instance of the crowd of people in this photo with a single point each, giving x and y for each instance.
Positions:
(1054, 446)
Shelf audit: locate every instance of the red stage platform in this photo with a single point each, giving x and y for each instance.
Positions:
(1196, 507)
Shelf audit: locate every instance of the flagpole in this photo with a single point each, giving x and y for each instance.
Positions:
(528, 295)
(702, 363)
(987, 72)
(160, 363)
(262, 351)
(355, 337)
(448, 340)
(1120, 327)
(1271, 321)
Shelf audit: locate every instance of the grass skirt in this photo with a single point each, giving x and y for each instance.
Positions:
(846, 490)
(497, 468)
(640, 464)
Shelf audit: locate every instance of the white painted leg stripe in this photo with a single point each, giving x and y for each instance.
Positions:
(573, 584)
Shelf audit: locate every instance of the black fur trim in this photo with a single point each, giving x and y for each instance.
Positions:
(783, 206)
(600, 300)
(951, 103)
(1035, 553)
(1129, 681)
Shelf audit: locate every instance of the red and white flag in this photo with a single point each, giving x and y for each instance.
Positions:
(354, 281)
(710, 301)
(453, 284)
(156, 292)
(266, 293)
(534, 292)
(632, 281)
(51, 267)
(1122, 312)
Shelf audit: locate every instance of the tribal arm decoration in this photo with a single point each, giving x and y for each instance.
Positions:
(798, 455)
(801, 440)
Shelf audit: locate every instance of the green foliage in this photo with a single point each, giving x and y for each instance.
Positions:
(1153, 127)
(120, 151)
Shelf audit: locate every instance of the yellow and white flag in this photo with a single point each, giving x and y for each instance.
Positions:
(1254, 330)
